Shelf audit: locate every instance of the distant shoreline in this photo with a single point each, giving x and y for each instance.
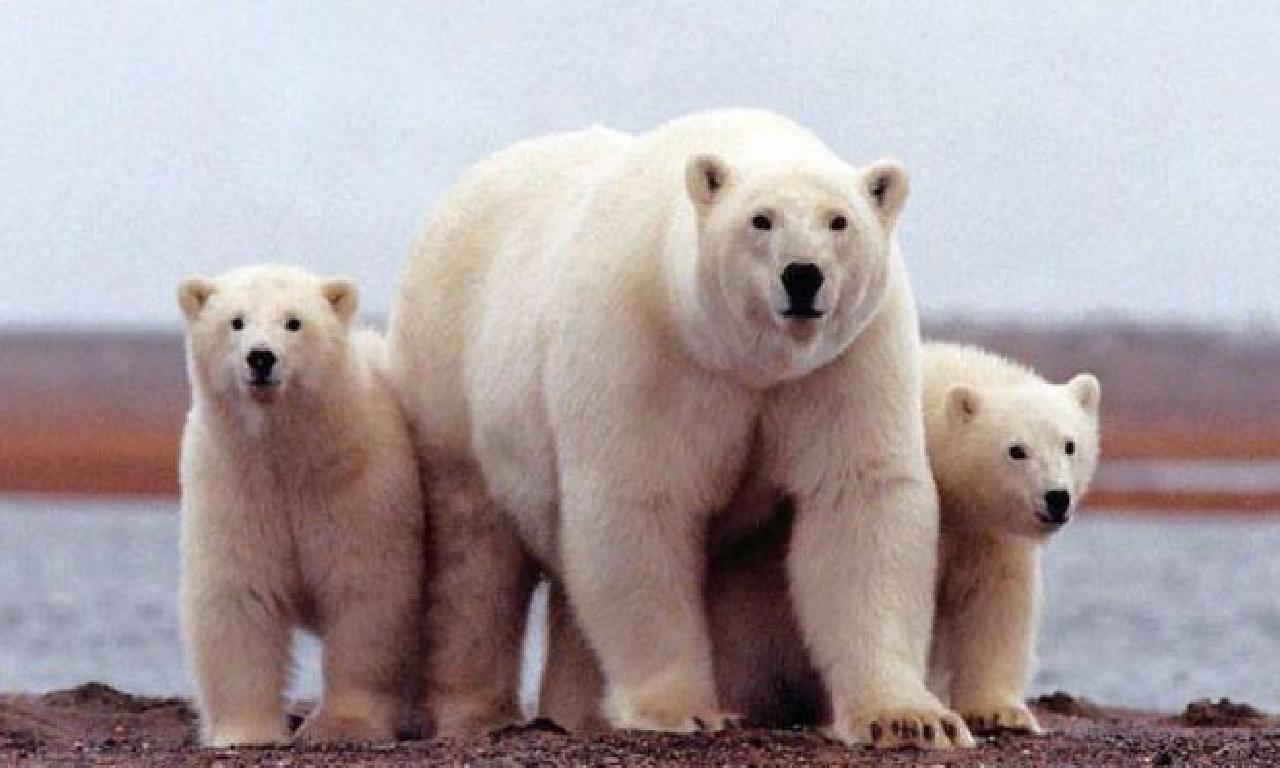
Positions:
(101, 413)
(100, 458)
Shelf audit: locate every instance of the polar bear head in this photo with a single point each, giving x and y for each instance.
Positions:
(258, 333)
(1016, 458)
(797, 253)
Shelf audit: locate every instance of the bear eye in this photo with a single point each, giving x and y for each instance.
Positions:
(761, 222)
(1017, 452)
(237, 323)
(293, 324)
(839, 223)
(1070, 447)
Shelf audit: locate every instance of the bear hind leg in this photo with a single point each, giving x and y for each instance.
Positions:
(368, 654)
(478, 593)
(572, 684)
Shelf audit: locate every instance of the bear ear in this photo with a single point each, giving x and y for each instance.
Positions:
(705, 177)
(886, 185)
(1087, 391)
(342, 295)
(962, 404)
(193, 293)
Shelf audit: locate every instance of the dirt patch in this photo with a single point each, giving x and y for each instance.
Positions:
(1063, 703)
(1223, 712)
(104, 698)
(100, 725)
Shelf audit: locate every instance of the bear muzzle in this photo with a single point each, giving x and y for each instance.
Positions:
(263, 373)
(802, 281)
(1057, 507)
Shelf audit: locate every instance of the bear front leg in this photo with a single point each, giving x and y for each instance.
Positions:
(572, 686)
(847, 442)
(991, 639)
(238, 646)
(479, 581)
(633, 570)
(862, 566)
(369, 651)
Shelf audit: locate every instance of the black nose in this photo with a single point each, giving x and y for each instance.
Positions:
(1056, 504)
(801, 281)
(261, 361)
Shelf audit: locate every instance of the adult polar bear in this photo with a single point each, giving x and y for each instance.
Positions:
(595, 335)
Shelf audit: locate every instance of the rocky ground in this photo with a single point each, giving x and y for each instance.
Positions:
(97, 725)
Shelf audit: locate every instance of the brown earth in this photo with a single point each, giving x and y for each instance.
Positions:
(101, 413)
(97, 725)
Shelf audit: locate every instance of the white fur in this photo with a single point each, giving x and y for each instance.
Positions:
(590, 343)
(300, 508)
(977, 406)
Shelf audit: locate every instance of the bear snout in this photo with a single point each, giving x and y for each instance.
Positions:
(1057, 506)
(262, 363)
(802, 281)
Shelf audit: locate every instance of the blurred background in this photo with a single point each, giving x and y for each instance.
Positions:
(1095, 186)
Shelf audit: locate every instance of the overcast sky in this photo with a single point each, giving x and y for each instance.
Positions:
(1090, 157)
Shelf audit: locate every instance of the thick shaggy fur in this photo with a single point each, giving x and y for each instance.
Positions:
(977, 406)
(595, 347)
(301, 507)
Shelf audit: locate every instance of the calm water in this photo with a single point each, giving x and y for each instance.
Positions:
(1140, 612)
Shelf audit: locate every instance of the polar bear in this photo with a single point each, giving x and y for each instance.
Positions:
(300, 508)
(597, 335)
(1012, 456)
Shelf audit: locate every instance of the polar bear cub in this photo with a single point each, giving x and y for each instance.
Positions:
(1012, 456)
(300, 508)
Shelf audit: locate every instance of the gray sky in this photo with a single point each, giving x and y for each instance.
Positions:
(1089, 157)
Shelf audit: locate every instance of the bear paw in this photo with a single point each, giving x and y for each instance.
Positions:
(993, 718)
(264, 735)
(326, 728)
(669, 704)
(898, 728)
(672, 721)
(465, 719)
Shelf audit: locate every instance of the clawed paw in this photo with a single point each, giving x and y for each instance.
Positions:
(720, 721)
(472, 720)
(258, 736)
(322, 728)
(895, 729)
(674, 722)
(1014, 718)
(670, 705)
